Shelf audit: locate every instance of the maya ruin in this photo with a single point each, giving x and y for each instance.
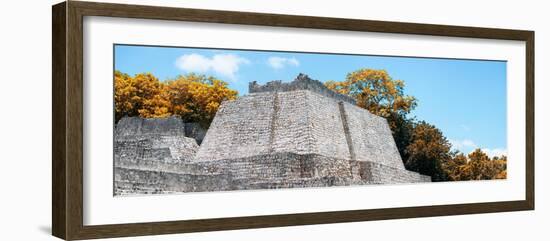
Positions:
(280, 135)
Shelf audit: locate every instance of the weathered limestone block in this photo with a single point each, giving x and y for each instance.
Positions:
(279, 170)
(300, 121)
(290, 125)
(326, 126)
(150, 143)
(240, 128)
(371, 137)
(128, 127)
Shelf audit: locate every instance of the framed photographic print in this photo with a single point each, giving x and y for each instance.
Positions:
(171, 120)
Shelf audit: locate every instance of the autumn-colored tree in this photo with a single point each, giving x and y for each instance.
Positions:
(376, 91)
(427, 152)
(501, 166)
(501, 175)
(479, 167)
(195, 98)
(154, 103)
(402, 129)
(453, 166)
(476, 166)
(430, 154)
(124, 91)
(140, 95)
(422, 146)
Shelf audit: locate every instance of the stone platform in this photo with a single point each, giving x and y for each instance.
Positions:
(281, 135)
(271, 171)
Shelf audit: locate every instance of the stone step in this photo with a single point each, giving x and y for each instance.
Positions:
(259, 172)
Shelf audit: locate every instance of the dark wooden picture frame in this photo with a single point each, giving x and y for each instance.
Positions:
(67, 123)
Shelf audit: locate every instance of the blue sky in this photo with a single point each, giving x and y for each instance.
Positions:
(466, 99)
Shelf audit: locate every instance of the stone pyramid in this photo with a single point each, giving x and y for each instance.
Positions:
(301, 117)
(282, 135)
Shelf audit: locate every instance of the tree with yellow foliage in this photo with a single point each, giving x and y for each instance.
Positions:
(376, 91)
(476, 166)
(500, 164)
(422, 146)
(453, 165)
(427, 151)
(140, 95)
(195, 98)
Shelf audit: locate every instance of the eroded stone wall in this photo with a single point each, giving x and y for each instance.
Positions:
(382, 174)
(282, 135)
(301, 122)
(240, 128)
(271, 171)
(141, 142)
(291, 124)
(327, 128)
(371, 137)
(302, 82)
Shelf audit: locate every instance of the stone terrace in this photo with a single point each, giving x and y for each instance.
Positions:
(281, 135)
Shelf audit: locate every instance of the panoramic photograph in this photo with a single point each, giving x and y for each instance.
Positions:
(205, 120)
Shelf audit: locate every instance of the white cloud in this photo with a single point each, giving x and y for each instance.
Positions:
(468, 146)
(279, 62)
(495, 152)
(463, 144)
(465, 128)
(226, 65)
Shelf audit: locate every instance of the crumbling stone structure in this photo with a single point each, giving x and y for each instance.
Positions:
(281, 135)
